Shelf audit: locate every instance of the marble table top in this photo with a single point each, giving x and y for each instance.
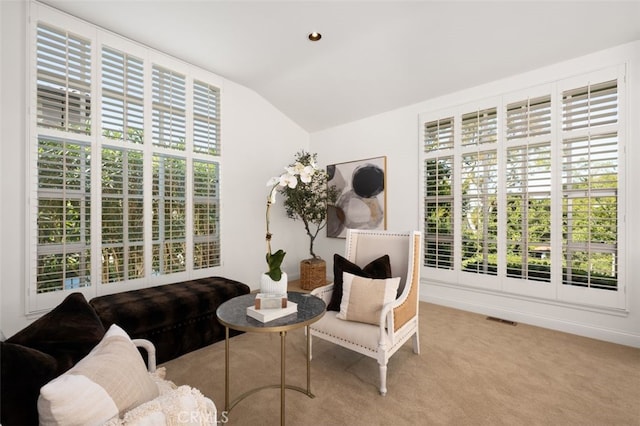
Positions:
(233, 313)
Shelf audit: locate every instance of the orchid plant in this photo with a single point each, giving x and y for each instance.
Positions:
(304, 187)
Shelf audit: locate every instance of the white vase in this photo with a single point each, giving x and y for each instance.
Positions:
(267, 285)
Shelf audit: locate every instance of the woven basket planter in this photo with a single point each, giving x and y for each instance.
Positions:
(313, 273)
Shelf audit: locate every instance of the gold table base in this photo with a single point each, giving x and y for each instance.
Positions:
(228, 406)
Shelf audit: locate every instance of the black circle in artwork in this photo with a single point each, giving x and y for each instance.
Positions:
(368, 180)
(331, 171)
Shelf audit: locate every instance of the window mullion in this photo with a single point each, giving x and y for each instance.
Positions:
(147, 159)
(96, 170)
(457, 193)
(189, 182)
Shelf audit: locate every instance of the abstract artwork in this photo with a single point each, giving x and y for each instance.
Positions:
(361, 202)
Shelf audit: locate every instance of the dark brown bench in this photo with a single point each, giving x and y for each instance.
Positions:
(178, 318)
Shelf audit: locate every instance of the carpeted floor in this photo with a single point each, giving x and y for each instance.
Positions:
(471, 371)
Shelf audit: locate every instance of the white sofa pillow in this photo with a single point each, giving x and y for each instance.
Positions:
(111, 380)
(363, 298)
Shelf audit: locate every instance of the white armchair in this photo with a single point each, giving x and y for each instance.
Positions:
(399, 319)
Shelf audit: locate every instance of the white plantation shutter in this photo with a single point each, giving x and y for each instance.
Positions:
(169, 215)
(479, 215)
(122, 96)
(122, 215)
(438, 135)
(538, 193)
(438, 212)
(479, 127)
(590, 157)
(206, 118)
(529, 118)
(478, 177)
(120, 137)
(169, 108)
(528, 186)
(63, 80)
(63, 215)
(206, 214)
(62, 256)
(590, 106)
(438, 172)
(529, 212)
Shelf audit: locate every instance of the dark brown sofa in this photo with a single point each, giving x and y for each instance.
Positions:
(178, 318)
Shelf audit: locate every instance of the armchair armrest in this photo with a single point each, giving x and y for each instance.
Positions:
(324, 292)
(151, 352)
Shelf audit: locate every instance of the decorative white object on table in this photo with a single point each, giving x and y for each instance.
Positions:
(266, 315)
(271, 300)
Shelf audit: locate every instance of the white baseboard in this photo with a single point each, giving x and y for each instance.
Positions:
(485, 307)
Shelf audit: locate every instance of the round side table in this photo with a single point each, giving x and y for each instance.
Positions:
(233, 315)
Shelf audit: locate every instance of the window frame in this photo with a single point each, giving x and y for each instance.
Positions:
(37, 302)
(555, 292)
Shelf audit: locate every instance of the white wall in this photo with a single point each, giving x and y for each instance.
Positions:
(2, 48)
(395, 134)
(257, 141)
(12, 159)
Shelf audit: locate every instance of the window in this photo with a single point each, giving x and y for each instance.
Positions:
(590, 186)
(169, 215)
(479, 179)
(122, 96)
(528, 189)
(438, 194)
(64, 80)
(63, 215)
(523, 196)
(122, 211)
(206, 222)
(126, 159)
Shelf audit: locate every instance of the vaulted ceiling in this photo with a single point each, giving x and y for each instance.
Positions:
(374, 56)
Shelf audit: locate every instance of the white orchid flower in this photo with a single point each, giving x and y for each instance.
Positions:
(306, 173)
(299, 168)
(289, 180)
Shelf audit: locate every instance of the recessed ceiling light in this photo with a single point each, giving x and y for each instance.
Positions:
(314, 36)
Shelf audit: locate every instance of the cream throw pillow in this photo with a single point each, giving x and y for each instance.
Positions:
(111, 380)
(363, 298)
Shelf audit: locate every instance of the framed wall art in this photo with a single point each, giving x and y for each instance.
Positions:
(362, 199)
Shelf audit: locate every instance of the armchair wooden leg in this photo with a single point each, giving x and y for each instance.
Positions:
(383, 379)
(416, 343)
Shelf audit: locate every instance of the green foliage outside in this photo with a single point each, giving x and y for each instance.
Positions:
(587, 220)
(64, 213)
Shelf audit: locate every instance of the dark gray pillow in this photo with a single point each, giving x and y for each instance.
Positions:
(23, 372)
(68, 332)
(379, 268)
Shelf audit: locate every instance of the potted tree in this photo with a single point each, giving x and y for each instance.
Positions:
(307, 201)
(306, 195)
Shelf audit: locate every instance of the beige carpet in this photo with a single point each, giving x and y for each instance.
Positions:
(471, 371)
